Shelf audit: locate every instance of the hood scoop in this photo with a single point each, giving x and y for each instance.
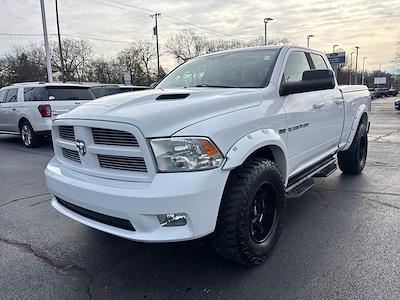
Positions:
(172, 96)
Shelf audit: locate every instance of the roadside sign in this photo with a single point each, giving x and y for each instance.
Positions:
(336, 58)
(379, 80)
(127, 78)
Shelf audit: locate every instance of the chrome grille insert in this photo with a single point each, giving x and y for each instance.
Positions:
(122, 163)
(71, 155)
(67, 133)
(113, 137)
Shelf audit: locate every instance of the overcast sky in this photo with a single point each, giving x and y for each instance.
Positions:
(374, 26)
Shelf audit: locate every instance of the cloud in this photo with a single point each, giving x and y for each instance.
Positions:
(370, 25)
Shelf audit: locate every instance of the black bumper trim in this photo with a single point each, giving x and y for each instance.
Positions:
(95, 216)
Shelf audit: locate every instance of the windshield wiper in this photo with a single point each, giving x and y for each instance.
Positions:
(212, 86)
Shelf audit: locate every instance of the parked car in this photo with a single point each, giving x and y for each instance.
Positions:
(397, 104)
(215, 148)
(372, 92)
(393, 92)
(101, 90)
(28, 108)
(381, 92)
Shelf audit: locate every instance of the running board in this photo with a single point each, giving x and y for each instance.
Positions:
(327, 171)
(301, 189)
(298, 179)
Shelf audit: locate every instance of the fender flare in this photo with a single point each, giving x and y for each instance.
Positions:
(251, 142)
(361, 110)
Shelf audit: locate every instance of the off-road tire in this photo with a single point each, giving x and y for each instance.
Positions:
(28, 136)
(233, 237)
(352, 161)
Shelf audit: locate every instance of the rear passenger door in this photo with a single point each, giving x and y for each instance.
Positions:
(333, 112)
(304, 116)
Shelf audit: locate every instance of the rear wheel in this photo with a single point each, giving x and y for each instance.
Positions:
(352, 161)
(28, 135)
(251, 213)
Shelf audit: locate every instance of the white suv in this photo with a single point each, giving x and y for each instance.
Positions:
(28, 108)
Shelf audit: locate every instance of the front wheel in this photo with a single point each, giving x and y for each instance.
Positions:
(251, 213)
(352, 161)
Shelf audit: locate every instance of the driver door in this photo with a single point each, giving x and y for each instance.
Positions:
(304, 113)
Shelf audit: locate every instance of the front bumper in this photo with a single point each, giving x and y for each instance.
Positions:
(195, 194)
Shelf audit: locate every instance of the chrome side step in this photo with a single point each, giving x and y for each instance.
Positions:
(327, 171)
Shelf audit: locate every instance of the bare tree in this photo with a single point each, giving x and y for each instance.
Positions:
(77, 54)
(146, 55)
(186, 45)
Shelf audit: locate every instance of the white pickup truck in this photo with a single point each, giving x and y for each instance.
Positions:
(215, 149)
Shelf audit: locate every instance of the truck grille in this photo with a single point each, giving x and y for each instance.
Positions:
(71, 155)
(113, 137)
(67, 133)
(108, 149)
(122, 163)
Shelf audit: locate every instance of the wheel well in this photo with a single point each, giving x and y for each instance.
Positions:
(21, 121)
(273, 153)
(364, 119)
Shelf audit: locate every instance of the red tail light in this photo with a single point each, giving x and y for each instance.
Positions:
(45, 110)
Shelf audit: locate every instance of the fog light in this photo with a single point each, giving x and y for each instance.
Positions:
(170, 220)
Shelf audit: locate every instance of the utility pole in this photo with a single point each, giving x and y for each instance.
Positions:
(59, 45)
(46, 43)
(308, 40)
(363, 73)
(265, 29)
(155, 32)
(333, 48)
(355, 79)
(351, 66)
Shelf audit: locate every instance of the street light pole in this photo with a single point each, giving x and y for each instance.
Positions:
(351, 66)
(363, 73)
(355, 79)
(333, 48)
(155, 32)
(60, 46)
(46, 43)
(265, 29)
(308, 40)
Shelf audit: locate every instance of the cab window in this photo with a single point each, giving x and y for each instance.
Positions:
(296, 64)
(319, 62)
(3, 95)
(12, 95)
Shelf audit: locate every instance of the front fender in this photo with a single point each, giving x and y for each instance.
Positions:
(243, 148)
(361, 110)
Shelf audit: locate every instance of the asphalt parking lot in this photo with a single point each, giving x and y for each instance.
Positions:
(340, 240)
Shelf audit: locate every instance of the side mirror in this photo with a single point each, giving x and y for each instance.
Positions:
(153, 85)
(52, 98)
(313, 80)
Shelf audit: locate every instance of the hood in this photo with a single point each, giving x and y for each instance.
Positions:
(171, 112)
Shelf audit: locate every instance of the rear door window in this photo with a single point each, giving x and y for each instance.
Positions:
(69, 93)
(34, 94)
(12, 95)
(319, 62)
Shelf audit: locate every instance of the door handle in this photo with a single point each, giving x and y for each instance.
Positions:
(13, 108)
(318, 105)
(339, 101)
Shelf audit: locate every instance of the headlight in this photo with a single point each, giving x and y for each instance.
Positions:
(185, 154)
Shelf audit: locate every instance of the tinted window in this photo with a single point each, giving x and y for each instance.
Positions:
(3, 94)
(251, 68)
(34, 94)
(101, 91)
(296, 64)
(12, 95)
(318, 61)
(70, 93)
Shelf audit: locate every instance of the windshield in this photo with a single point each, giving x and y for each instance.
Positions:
(70, 93)
(238, 69)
